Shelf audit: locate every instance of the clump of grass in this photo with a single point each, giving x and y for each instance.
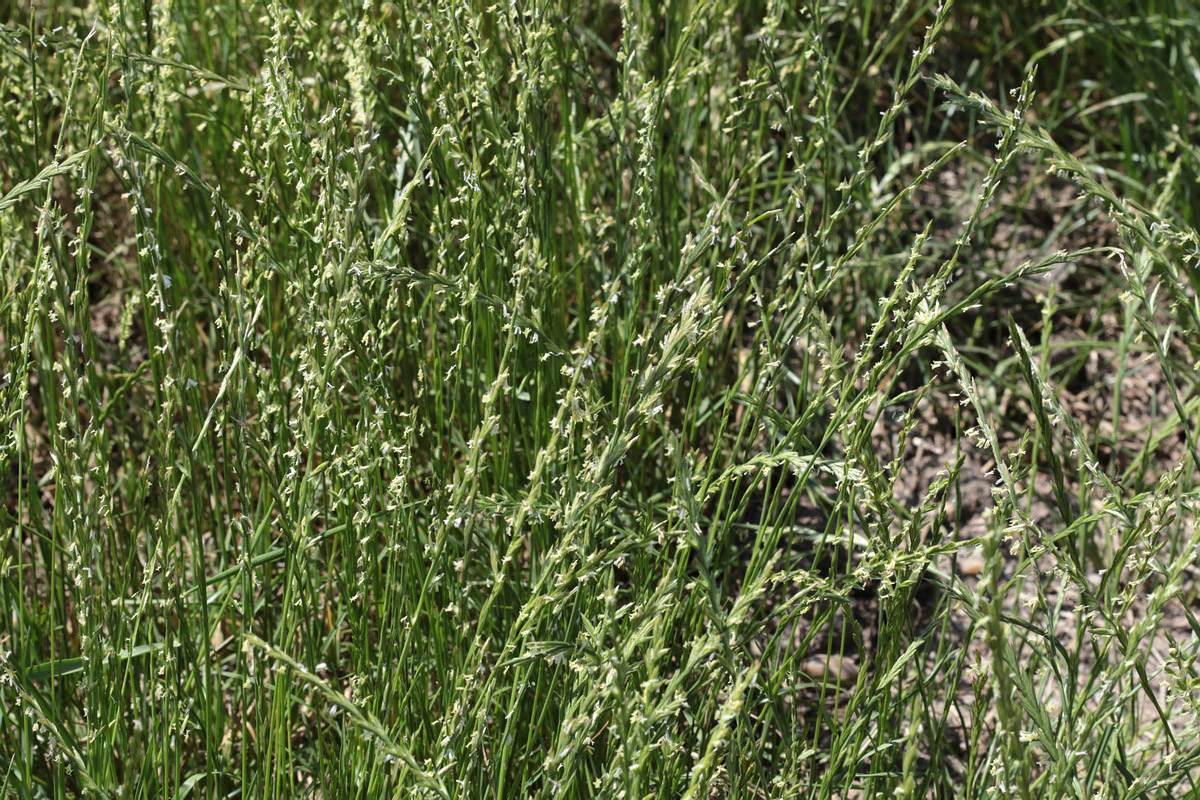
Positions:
(693, 399)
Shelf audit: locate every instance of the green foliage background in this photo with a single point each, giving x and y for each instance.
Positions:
(644, 399)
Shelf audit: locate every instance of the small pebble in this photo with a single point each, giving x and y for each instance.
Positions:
(841, 669)
(971, 565)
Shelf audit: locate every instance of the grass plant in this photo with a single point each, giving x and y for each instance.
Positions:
(677, 399)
